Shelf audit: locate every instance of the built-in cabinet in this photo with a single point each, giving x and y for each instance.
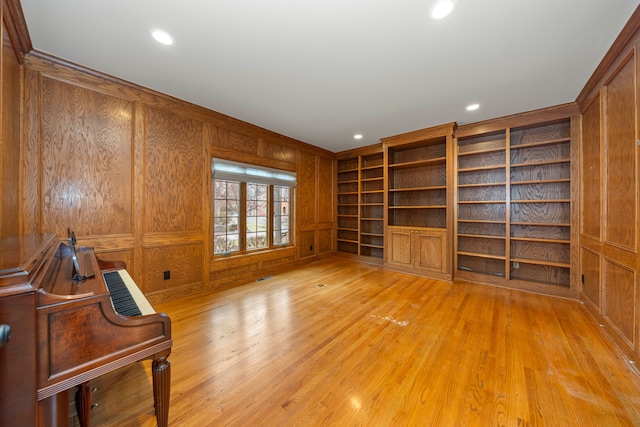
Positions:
(514, 207)
(418, 201)
(360, 217)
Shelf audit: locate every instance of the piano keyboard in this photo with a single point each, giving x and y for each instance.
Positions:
(126, 297)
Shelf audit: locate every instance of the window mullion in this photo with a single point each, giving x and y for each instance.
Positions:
(243, 217)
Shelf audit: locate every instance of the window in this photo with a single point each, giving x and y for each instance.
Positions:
(251, 207)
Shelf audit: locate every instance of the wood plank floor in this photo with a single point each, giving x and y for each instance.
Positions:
(342, 343)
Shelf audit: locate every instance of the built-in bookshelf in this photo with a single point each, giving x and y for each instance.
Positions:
(348, 223)
(360, 228)
(418, 183)
(514, 204)
(372, 205)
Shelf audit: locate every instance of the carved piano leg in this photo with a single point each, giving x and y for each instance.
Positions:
(161, 370)
(83, 404)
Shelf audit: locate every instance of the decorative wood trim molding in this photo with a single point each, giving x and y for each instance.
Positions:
(626, 35)
(16, 26)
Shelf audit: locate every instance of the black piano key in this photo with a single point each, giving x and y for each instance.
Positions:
(121, 298)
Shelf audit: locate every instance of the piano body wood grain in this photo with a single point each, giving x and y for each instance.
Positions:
(79, 336)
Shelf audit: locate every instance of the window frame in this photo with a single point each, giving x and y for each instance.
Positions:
(243, 180)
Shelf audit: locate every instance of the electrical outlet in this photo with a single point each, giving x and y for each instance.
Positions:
(516, 264)
(167, 275)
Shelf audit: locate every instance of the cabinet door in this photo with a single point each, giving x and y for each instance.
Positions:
(400, 248)
(18, 362)
(429, 250)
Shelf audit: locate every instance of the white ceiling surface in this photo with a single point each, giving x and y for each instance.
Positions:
(321, 71)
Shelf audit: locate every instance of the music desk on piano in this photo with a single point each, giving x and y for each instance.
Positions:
(79, 333)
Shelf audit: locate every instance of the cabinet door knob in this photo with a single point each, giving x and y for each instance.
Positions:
(5, 334)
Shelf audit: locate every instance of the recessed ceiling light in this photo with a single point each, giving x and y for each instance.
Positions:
(162, 37)
(441, 9)
(473, 107)
(357, 136)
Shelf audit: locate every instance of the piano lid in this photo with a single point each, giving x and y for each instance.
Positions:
(23, 259)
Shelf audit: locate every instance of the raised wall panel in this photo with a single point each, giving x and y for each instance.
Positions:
(620, 298)
(325, 241)
(324, 190)
(306, 189)
(10, 172)
(620, 153)
(86, 149)
(591, 200)
(174, 173)
(225, 138)
(184, 262)
(591, 273)
(307, 243)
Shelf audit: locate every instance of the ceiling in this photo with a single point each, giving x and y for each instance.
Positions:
(321, 71)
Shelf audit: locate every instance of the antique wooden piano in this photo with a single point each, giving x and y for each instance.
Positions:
(61, 326)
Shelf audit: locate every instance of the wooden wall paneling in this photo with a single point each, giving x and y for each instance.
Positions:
(591, 274)
(10, 72)
(86, 144)
(307, 243)
(325, 240)
(620, 226)
(619, 297)
(306, 201)
(591, 182)
(174, 175)
(324, 190)
(182, 261)
(271, 149)
(31, 193)
(235, 141)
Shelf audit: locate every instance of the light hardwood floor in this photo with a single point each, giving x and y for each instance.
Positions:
(342, 343)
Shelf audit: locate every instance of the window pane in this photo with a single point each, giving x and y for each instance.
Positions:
(256, 216)
(281, 215)
(226, 216)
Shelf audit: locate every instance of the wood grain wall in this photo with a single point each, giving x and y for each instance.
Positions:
(10, 76)
(129, 170)
(609, 252)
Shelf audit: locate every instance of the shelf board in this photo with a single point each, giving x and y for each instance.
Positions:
(479, 255)
(540, 163)
(347, 216)
(372, 234)
(371, 179)
(546, 224)
(347, 241)
(371, 219)
(349, 193)
(542, 201)
(482, 221)
(371, 204)
(351, 181)
(347, 205)
(541, 240)
(481, 202)
(419, 207)
(368, 168)
(431, 188)
(484, 151)
(418, 163)
(483, 168)
(347, 229)
(541, 181)
(348, 170)
(541, 143)
(483, 184)
(482, 236)
(369, 245)
(540, 262)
